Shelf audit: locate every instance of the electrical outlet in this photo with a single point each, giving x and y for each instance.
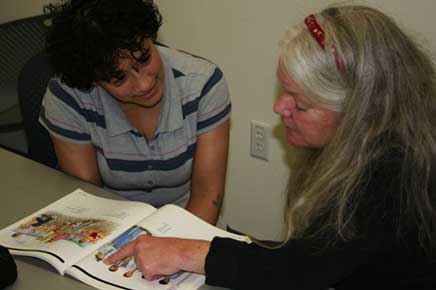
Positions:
(259, 145)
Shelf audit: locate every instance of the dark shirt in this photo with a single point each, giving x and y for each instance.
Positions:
(376, 259)
(8, 269)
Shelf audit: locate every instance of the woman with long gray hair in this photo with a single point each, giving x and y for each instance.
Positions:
(359, 104)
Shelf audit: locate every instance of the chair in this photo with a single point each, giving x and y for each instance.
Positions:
(20, 40)
(32, 83)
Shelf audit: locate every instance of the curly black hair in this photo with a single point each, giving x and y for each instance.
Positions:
(88, 37)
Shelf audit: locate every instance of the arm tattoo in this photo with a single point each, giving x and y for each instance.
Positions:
(217, 201)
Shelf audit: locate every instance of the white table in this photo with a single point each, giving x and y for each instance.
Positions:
(27, 186)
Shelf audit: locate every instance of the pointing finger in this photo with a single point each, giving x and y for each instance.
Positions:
(125, 251)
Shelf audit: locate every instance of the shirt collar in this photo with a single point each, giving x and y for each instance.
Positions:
(116, 121)
(171, 114)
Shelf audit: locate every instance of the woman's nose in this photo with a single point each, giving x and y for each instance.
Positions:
(284, 106)
(143, 81)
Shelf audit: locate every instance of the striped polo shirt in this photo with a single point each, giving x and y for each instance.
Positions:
(195, 100)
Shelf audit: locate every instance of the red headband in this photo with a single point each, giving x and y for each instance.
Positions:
(315, 30)
(317, 33)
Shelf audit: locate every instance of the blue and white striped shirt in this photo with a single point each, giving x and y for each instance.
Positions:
(195, 100)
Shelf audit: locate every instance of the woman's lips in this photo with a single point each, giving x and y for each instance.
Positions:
(288, 126)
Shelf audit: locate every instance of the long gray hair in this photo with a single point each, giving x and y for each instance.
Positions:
(384, 87)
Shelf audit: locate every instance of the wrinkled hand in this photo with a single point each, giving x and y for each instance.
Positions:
(155, 256)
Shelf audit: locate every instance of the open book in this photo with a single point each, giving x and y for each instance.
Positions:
(77, 232)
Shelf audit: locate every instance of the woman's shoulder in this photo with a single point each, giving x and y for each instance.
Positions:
(78, 99)
(388, 196)
(185, 64)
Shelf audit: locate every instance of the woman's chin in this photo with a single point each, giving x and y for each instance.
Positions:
(294, 140)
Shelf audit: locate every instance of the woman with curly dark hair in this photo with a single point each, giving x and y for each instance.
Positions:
(145, 121)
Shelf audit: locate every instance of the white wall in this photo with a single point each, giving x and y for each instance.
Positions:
(241, 36)
(14, 9)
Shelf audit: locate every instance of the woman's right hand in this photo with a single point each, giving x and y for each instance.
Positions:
(156, 257)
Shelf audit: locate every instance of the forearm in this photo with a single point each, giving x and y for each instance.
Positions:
(90, 177)
(78, 160)
(209, 174)
(300, 264)
(192, 255)
(205, 207)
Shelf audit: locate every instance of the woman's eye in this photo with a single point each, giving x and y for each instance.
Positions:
(141, 62)
(118, 81)
(144, 59)
(298, 108)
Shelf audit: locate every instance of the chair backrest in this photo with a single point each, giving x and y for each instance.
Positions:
(19, 40)
(32, 84)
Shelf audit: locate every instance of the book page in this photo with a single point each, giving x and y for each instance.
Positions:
(174, 221)
(72, 227)
(169, 220)
(124, 275)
